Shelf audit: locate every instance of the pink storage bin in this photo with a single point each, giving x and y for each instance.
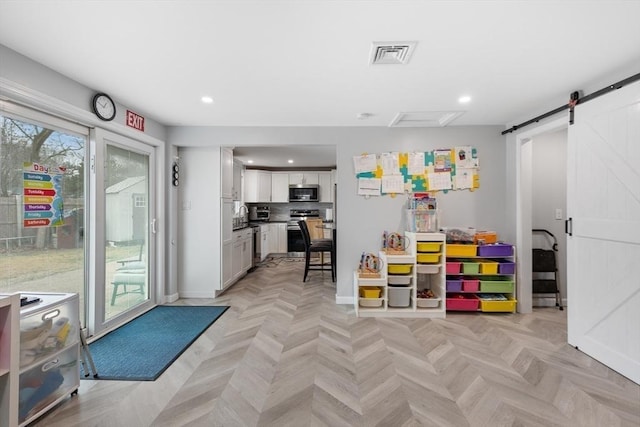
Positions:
(462, 302)
(470, 285)
(453, 267)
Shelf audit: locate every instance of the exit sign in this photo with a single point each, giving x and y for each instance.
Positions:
(135, 121)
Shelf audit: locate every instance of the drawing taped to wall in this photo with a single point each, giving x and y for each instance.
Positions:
(413, 172)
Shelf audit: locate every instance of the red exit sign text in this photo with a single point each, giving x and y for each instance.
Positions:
(135, 121)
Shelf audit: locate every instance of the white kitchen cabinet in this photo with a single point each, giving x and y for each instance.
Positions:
(242, 252)
(264, 242)
(9, 358)
(236, 262)
(227, 242)
(247, 249)
(278, 238)
(303, 178)
(324, 179)
(279, 187)
(226, 172)
(257, 186)
(237, 180)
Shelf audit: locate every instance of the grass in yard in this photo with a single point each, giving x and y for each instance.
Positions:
(25, 264)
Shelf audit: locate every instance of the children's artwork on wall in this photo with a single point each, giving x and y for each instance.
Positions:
(413, 172)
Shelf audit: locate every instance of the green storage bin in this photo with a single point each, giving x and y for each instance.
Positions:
(498, 286)
(470, 268)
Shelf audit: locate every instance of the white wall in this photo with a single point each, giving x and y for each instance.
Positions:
(549, 192)
(360, 221)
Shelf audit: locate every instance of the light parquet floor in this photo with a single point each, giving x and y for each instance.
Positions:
(285, 354)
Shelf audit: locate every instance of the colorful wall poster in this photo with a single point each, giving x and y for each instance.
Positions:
(42, 195)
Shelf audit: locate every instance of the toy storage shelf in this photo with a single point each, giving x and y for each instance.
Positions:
(403, 276)
(49, 339)
(481, 278)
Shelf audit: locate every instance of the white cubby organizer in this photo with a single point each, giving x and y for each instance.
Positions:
(421, 266)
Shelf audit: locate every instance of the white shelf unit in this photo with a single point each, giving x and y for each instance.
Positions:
(49, 368)
(9, 358)
(416, 278)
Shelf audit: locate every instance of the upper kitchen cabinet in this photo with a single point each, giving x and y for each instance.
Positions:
(303, 178)
(237, 180)
(226, 171)
(326, 194)
(257, 186)
(279, 187)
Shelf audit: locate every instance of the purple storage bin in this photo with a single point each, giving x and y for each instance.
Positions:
(497, 249)
(507, 268)
(454, 285)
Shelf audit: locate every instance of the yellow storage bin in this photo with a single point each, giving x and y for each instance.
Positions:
(370, 292)
(497, 306)
(488, 267)
(456, 250)
(428, 258)
(429, 246)
(399, 268)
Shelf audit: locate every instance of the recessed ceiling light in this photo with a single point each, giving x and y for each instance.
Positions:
(250, 161)
(207, 100)
(364, 116)
(289, 161)
(464, 99)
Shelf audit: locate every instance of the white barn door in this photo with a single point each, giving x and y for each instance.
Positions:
(603, 252)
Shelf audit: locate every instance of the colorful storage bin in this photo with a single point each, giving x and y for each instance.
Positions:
(462, 302)
(488, 267)
(470, 285)
(470, 268)
(429, 246)
(497, 303)
(399, 268)
(456, 250)
(507, 267)
(428, 258)
(454, 285)
(453, 267)
(494, 250)
(499, 286)
(370, 292)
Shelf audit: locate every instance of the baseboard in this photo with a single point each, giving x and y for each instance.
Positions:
(172, 298)
(344, 300)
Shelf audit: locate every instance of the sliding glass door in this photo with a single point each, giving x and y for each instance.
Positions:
(125, 228)
(42, 204)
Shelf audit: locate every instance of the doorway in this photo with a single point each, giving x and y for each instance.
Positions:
(124, 222)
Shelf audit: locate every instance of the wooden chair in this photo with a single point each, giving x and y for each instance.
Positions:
(317, 246)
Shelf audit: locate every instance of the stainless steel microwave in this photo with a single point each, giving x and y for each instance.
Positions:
(304, 193)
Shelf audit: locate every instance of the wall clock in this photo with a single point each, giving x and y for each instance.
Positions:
(104, 107)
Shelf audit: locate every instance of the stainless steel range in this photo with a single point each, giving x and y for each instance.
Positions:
(295, 243)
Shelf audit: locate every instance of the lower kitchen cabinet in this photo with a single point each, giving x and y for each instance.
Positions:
(242, 252)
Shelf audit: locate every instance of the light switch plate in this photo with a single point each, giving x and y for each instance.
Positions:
(558, 213)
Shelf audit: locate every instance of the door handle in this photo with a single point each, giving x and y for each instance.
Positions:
(153, 226)
(568, 226)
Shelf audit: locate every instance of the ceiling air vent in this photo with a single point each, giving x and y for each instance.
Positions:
(425, 119)
(391, 52)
